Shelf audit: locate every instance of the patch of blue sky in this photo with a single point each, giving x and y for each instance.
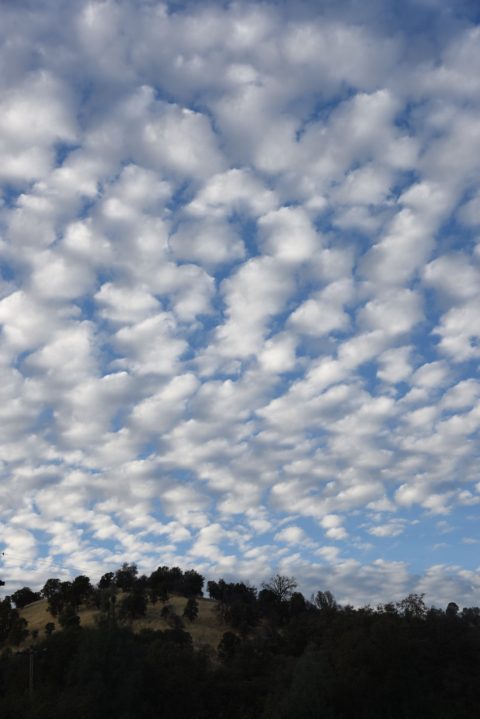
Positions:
(321, 107)
(247, 228)
(7, 271)
(107, 358)
(10, 192)
(355, 238)
(42, 541)
(43, 423)
(148, 449)
(183, 193)
(118, 420)
(63, 150)
(368, 372)
(87, 205)
(403, 179)
(423, 336)
(309, 347)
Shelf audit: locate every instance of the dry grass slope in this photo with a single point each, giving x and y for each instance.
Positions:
(207, 629)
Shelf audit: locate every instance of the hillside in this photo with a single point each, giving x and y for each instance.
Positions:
(288, 658)
(207, 629)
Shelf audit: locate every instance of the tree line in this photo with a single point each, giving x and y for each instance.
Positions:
(282, 656)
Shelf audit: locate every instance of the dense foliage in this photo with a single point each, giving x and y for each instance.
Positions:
(284, 657)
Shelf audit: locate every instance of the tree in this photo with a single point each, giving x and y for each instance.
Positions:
(159, 592)
(171, 617)
(192, 583)
(12, 626)
(132, 606)
(68, 618)
(228, 645)
(215, 590)
(191, 609)
(125, 576)
(281, 586)
(325, 601)
(106, 580)
(81, 589)
(50, 588)
(18, 631)
(24, 596)
(413, 606)
(297, 604)
(58, 595)
(165, 580)
(452, 610)
(49, 628)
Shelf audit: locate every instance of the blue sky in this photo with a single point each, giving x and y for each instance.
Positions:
(240, 293)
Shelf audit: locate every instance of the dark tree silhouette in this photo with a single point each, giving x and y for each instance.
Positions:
(191, 609)
(132, 606)
(106, 581)
(49, 628)
(24, 596)
(125, 576)
(281, 586)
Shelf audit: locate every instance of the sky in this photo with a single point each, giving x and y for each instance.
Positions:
(240, 292)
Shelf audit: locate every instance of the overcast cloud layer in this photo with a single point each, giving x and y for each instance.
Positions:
(240, 292)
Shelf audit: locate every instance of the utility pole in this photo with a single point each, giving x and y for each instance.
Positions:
(31, 653)
(30, 671)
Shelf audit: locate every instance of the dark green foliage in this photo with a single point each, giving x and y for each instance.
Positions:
(192, 584)
(191, 610)
(81, 590)
(50, 588)
(171, 617)
(13, 628)
(132, 606)
(228, 645)
(287, 659)
(237, 604)
(18, 631)
(171, 580)
(125, 577)
(452, 610)
(298, 604)
(413, 606)
(214, 590)
(68, 618)
(106, 580)
(24, 596)
(49, 628)
(60, 594)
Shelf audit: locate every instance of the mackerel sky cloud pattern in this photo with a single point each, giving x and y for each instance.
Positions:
(240, 292)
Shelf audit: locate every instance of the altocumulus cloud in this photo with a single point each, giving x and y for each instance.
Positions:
(240, 292)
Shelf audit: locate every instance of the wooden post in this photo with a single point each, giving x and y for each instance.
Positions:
(30, 672)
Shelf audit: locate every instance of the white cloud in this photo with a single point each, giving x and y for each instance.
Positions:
(239, 290)
(33, 116)
(395, 365)
(291, 535)
(459, 332)
(255, 294)
(208, 243)
(454, 276)
(393, 312)
(288, 235)
(234, 191)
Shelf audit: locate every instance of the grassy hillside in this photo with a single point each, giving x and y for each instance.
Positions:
(207, 629)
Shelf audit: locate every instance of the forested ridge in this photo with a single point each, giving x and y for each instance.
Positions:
(280, 654)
